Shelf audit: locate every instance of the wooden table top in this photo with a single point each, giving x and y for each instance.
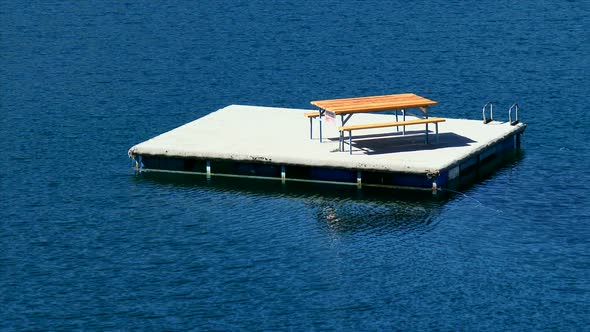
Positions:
(373, 103)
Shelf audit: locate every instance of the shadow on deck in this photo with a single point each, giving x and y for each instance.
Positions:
(373, 144)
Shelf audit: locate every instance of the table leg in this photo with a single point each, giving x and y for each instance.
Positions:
(320, 120)
(404, 119)
(343, 121)
(424, 110)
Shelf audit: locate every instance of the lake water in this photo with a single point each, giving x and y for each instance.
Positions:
(87, 244)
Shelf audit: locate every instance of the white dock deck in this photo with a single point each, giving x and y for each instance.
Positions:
(281, 136)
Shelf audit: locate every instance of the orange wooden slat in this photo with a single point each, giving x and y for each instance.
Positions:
(371, 99)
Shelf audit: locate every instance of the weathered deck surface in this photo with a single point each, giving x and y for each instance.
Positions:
(281, 136)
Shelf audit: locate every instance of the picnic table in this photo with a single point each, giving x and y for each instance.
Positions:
(347, 107)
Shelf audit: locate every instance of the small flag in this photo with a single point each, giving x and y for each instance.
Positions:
(330, 118)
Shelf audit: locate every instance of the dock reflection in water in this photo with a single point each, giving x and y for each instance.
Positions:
(339, 209)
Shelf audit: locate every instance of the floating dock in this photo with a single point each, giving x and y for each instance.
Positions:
(275, 143)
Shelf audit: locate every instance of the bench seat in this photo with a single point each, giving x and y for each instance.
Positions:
(403, 124)
(311, 116)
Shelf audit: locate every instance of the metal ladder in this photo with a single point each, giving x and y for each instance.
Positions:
(490, 105)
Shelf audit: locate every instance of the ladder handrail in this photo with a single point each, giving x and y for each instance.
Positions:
(483, 112)
(515, 108)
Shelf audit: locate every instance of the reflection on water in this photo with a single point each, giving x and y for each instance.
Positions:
(340, 209)
(343, 209)
(377, 218)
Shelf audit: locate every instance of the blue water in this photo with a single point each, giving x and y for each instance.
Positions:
(87, 244)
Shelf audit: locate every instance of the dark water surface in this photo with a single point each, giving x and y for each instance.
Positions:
(87, 244)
